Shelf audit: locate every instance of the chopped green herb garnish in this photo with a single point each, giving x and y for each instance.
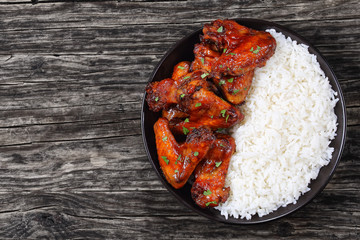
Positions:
(256, 50)
(223, 112)
(196, 154)
(222, 82)
(230, 80)
(185, 130)
(204, 75)
(241, 69)
(217, 164)
(165, 159)
(207, 192)
(186, 120)
(236, 91)
(212, 116)
(232, 54)
(164, 139)
(156, 99)
(186, 77)
(202, 60)
(178, 159)
(228, 69)
(225, 49)
(192, 127)
(197, 104)
(176, 171)
(182, 68)
(227, 117)
(221, 145)
(220, 29)
(220, 66)
(245, 88)
(208, 203)
(182, 95)
(220, 129)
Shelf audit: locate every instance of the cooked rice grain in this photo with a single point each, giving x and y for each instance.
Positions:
(284, 139)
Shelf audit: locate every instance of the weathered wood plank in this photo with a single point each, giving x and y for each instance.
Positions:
(130, 214)
(72, 75)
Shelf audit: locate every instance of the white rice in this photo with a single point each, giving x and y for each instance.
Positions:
(284, 139)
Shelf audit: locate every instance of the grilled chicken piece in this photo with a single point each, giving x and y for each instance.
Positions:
(243, 49)
(180, 71)
(178, 161)
(235, 89)
(195, 97)
(204, 58)
(208, 189)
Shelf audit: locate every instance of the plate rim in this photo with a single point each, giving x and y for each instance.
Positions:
(313, 50)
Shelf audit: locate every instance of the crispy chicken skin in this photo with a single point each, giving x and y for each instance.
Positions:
(235, 89)
(178, 161)
(195, 98)
(208, 189)
(204, 58)
(242, 49)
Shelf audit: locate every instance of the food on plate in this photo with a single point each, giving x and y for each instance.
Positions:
(192, 105)
(178, 161)
(284, 138)
(196, 98)
(208, 188)
(230, 52)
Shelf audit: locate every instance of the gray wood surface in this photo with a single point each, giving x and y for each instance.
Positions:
(72, 77)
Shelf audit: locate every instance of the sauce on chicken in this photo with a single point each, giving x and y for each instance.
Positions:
(199, 99)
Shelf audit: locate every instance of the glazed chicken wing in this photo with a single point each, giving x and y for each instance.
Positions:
(235, 89)
(194, 97)
(242, 49)
(208, 188)
(178, 161)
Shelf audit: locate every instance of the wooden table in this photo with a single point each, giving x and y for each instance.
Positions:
(72, 77)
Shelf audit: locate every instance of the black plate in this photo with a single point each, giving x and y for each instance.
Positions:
(183, 51)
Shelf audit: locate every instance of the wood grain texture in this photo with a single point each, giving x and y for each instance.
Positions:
(72, 76)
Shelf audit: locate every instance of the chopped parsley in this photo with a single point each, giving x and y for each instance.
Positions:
(221, 145)
(220, 129)
(165, 159)
(220, 29)
(223, 112)
(207, 192)
(186, 120)
(164, 139)
(222, 82)
(197, 104)
(178, 159)
(202, 60)
(156, 99)
(217, 164)
(182, 95)
(208, 203)
(176, 171)
(236, 91)
(212, 116)
(245, 88)
(225, 49)
(182, 68)
(232, 54)
(255, 51)
(204, 75)
(185, 130)
(230, 80)
(227, 117)
(186, 77)
(196, 154)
